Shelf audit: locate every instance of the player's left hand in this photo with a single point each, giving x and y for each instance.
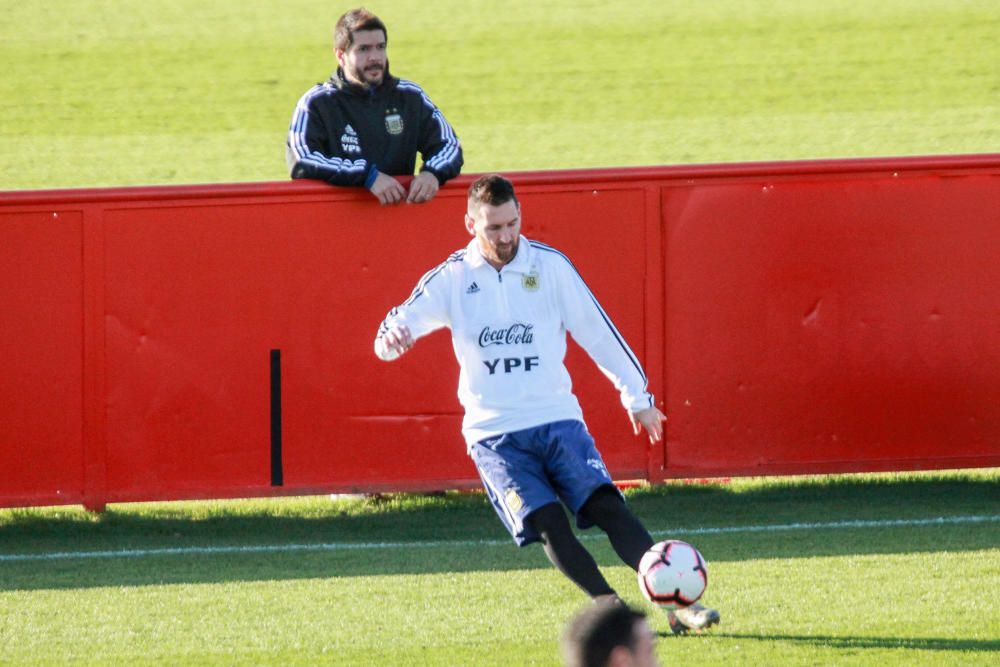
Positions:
(423, 188)
(650, 419)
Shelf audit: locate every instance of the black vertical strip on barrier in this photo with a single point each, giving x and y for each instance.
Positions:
(277, 472)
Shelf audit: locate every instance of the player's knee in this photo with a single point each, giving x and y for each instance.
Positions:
(604, 507)
(549, 520)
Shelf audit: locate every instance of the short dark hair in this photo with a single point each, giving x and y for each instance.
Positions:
(351, 22)
(595, 632)
(492, 189)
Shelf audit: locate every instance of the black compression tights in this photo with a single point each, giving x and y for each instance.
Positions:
(628, 536)
(608, 511)
(566, 552)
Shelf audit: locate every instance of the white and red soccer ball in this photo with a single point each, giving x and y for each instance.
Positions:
(672, 574)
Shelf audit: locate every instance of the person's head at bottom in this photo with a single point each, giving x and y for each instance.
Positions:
(609, 634)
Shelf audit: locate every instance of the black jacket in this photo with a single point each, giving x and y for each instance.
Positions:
(345, 134)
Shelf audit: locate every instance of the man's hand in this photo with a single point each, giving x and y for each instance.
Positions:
(387, 189)
(650, 419)
(394, 343)
(423, 188)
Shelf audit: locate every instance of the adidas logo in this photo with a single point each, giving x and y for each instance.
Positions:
(473, 288)
(349, 141)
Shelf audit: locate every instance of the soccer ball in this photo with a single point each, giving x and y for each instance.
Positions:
(672, 574)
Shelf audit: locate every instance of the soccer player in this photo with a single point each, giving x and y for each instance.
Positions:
(365, 126)
(609, 634)
(509, 302)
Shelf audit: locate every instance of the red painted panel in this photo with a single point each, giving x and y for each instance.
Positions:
(407, 412)
(794, 317)
(40, 348)
(832, 324)
(198, 294)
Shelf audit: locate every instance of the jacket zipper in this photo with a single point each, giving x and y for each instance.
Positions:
(503, 294)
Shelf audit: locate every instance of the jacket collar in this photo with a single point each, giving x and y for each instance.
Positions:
(340, 81)
(521, 263)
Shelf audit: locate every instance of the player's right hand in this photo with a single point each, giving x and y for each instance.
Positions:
(394, 343)
(388, 189)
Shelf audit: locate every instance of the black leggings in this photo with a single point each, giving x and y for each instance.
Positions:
(628, 536)
(608, 511)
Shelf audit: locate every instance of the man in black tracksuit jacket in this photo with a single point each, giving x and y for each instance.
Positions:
(364, 126)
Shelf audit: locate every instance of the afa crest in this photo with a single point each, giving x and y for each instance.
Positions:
(514, 502)
(529, 281)
(394, 123)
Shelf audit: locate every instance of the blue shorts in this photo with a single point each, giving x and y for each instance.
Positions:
(525, 470)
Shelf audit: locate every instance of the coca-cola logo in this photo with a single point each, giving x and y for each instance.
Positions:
(515, 334)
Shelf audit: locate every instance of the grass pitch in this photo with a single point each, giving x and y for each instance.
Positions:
(435, 580)
(118, 92)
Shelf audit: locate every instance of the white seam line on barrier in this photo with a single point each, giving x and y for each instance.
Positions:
(351, 546)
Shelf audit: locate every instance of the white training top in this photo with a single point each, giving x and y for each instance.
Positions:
(508, 331)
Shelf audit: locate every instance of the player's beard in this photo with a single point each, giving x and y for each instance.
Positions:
(373, 75)
(505, 253)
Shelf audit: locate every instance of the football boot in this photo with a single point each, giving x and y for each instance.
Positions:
(695, 617)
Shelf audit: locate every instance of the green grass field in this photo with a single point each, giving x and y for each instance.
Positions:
(121, 92)
(436, 581)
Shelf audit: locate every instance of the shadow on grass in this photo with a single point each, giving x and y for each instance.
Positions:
(467, 518)
(846, 643)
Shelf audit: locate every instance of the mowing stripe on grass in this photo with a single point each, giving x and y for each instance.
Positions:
(344, 546)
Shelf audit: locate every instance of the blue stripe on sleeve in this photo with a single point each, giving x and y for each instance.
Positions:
(297, 137)
(450, 151)
(421, 288)
(604, 315)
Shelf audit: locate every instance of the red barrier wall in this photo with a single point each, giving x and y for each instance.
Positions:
(792, 317)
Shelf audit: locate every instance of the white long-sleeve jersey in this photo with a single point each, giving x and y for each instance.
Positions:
(509, 335)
